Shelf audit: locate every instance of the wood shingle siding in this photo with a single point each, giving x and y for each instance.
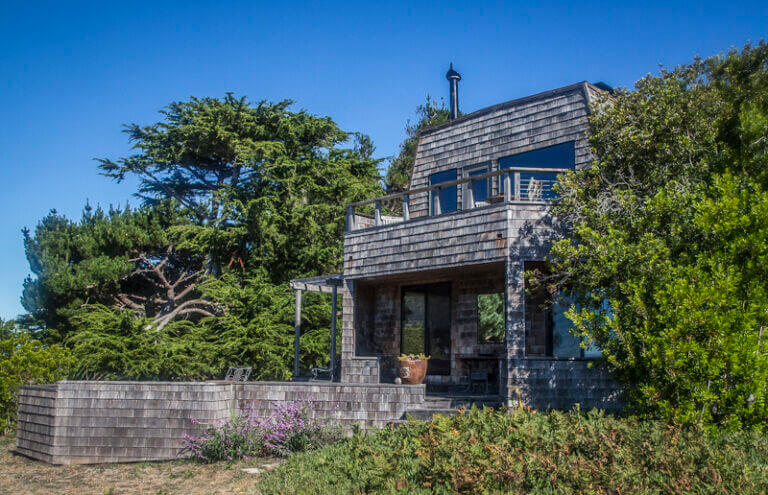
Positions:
(461, 238)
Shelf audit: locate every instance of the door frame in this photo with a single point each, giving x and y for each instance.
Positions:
(424, 288)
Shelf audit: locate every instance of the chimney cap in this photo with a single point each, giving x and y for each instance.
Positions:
(452, 74)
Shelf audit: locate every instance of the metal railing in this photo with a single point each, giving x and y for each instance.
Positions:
(516, 184)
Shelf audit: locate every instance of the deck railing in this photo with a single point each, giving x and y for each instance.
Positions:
(516, 185)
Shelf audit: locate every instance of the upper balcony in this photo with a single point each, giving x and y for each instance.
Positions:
(469, 221)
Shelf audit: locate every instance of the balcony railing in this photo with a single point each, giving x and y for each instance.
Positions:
(522, 185)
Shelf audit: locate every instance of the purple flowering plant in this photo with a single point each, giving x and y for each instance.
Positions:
(292, 427)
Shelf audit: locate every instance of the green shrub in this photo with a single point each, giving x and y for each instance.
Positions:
(486, 451)
(665, 258)
(24, 361)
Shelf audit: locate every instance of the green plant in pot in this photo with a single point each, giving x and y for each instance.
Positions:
(412, 368)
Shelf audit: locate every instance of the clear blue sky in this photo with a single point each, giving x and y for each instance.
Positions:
(73, 72)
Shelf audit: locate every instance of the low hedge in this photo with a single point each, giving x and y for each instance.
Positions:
(486, 451)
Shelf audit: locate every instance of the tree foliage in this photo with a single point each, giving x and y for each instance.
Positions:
(260, 183)
(252, 330)
(105, 258)
(669, 240)
(238, 199)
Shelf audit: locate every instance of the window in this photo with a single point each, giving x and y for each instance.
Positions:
(478, 188)
(547, 328)
(445, 196)
(539, 186)
(564, 343)
(490, 318)
(413, 340)
(567, 344)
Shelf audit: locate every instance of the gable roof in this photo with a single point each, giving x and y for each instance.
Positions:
(512, 103)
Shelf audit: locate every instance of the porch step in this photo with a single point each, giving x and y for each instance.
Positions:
(427, 414)
(448, 405)
(456, 401)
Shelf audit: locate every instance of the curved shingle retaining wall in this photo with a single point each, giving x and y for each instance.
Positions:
(85, 422)
(36, 421)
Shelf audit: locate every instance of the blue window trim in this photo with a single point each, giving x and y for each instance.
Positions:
(448, 196)
(561, 155)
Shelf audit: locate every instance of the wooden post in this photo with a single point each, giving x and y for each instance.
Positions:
(517, 187)
(469, 191)
(507, 188)
(436, 201)
(334, 293)
(297, 334)
(378, 213)
(406, 207)
(350, 219)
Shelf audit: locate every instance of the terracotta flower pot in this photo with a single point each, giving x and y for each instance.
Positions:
(412, 371)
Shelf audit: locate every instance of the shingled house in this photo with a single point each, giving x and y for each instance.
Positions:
(446, 277)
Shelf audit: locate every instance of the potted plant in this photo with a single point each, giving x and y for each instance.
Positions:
(412, 368)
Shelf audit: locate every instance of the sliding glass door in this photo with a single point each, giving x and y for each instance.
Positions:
(426, 325)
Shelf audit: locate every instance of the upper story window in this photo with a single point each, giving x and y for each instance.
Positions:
(538, 186)
(476, 192)
(442, 200)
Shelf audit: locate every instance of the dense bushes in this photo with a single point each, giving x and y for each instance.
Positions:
(667, 249)
(24, 361)
(527, 452)
(112, 344)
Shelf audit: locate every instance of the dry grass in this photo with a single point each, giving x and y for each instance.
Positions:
(21, 475)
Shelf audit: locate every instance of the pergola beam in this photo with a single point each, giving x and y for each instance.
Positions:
(327, 284)
(310, 287)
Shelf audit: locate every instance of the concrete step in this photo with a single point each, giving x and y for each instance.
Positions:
(428, 414)
(455, 401)
(448, 405)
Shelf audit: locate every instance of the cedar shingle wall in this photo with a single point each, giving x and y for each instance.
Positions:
(462, 238)
(36, 421)
(561, 384)
(79, 422)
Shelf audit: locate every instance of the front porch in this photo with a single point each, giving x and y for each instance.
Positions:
(490, 338)
(455, 316)
(488, 335)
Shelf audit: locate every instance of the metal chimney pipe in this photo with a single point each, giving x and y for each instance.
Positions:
(454, 78)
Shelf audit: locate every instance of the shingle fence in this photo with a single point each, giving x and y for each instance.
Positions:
(89, 422)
